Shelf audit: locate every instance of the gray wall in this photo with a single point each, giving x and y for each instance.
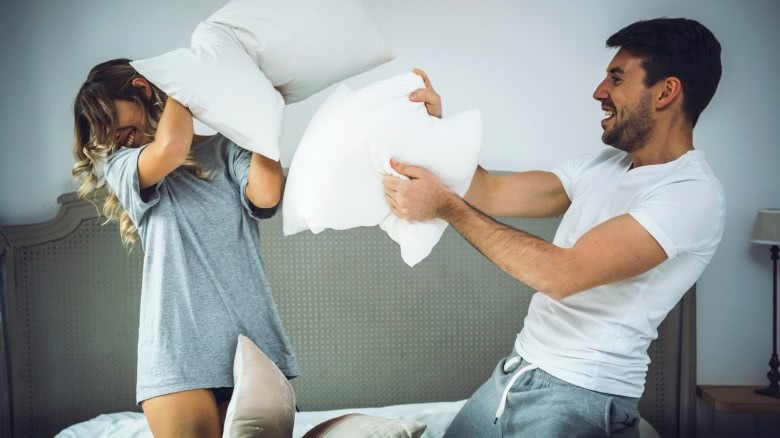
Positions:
(531, 68)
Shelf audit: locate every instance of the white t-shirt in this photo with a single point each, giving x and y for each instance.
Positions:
(598, 338)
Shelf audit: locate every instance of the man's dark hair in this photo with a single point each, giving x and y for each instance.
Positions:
(676, 47)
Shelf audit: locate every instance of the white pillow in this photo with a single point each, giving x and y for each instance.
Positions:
(222, 87)
(335, 178)
(304, 46)
(366, 426)
(263, 401)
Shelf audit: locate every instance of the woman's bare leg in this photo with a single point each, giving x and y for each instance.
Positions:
(192, 413)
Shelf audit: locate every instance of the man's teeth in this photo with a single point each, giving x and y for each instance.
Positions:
(608, 114)
(130, 139)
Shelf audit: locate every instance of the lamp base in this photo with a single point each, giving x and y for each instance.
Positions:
(771, 391)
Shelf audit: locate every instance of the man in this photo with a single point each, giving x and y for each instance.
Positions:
(641, 221)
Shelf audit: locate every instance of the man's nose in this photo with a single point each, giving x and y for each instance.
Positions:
(601, 92)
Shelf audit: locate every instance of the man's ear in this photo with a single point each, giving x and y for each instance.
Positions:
(669, 92)
(143, 84)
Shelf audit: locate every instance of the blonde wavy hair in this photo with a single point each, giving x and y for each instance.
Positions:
(95, 125)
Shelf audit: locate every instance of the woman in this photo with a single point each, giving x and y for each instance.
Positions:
(193, 202)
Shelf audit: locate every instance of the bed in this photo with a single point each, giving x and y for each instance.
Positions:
(372, 335)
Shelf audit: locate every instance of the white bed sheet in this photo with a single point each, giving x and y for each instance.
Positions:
(437, 416)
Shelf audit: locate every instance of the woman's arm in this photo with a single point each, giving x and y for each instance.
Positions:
(264, 185)
(170, 146)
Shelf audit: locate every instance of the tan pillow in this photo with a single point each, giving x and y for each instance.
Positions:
(359, 425)
(263, 401)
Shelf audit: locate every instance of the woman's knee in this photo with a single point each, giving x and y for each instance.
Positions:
(186, 413)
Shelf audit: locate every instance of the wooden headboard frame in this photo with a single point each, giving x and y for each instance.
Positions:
(368, 329)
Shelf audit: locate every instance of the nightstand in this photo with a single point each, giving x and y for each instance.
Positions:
(737, 400)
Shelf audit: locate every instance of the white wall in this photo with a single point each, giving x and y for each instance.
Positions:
(530, 67)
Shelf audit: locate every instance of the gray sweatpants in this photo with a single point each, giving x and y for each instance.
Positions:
(540, 405)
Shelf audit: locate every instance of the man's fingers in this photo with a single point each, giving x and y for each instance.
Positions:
(417, 95)
(391, 193)
(391, 182)
(390, 201)
(426, 95)
(393, 208)
(408, 170)
(424, 77)
(399, 212)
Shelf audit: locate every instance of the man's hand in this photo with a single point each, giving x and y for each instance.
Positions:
(420, 198)
(428, 95)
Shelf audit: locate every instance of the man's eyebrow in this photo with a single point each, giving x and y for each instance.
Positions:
(616, 70)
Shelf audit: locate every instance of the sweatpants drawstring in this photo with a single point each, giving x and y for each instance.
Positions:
(508, 365)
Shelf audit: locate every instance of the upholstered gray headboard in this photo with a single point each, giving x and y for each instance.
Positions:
(368, 330)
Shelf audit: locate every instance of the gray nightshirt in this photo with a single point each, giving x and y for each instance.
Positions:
(203, 275)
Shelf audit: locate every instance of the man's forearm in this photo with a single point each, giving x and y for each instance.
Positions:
(537, 263)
